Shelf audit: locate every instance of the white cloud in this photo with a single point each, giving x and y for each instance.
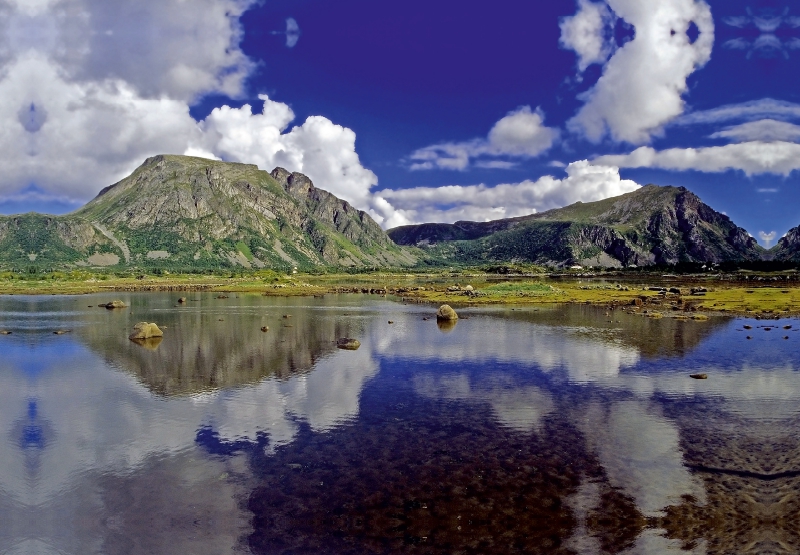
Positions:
(319, 148)
(642, 84)
(767, 238)
(754, 157)
(587, 33)
(584, 182)
(762, 130)
(763, 108)
(88, 96)
(520, 133)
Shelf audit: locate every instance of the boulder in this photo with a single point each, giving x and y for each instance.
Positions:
(113, 304)
(144, 330)
(348, 343)
(446, 313)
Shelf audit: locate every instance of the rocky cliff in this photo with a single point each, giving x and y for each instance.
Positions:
(653, 225)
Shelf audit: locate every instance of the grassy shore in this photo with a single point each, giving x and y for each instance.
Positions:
(653, 295)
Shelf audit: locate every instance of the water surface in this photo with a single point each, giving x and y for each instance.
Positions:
(519, 430)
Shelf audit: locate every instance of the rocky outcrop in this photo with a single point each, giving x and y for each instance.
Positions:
(654, 225)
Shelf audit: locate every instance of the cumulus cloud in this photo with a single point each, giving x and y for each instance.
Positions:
(753, 157)
(762, 130)
(588, 33)
(585, 182)
(319, 148)
(88, 96)
(642, 84)
(520, 134)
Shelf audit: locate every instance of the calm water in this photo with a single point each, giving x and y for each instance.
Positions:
(550, 430)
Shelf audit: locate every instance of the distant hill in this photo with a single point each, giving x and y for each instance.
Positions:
(652, 225)
(184, 212)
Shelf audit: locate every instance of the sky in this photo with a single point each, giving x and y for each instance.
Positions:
(434, 110)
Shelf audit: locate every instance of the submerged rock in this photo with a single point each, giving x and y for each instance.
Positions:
(348, 343)
(145, 330)
(446, 313)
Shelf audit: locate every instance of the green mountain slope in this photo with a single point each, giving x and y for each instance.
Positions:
(653, 225)
(184, 212)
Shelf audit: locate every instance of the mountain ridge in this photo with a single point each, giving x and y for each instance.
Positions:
(185, 213)
(650, 226)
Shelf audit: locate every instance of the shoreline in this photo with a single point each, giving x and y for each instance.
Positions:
(670, 296)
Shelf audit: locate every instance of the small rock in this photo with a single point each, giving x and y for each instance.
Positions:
(5, 332)
(786, 337)
(182, 300)
(287, 315)
(391, 321)
(469, 288)
(787, 327)
(61, 332)
(348, 343)
(222, 296)
(264, 328)
(144, 330)
(748, 327)
(699, 376)
(113, 304)
(748, 337)
(426, 318)
(446, 312)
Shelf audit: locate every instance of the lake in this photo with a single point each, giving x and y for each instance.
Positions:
(564, 429)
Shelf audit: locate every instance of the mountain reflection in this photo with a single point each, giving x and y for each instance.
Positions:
(555, 430)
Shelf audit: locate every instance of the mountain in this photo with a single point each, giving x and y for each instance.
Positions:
(788, 247)
(652, 225)
(185, 212)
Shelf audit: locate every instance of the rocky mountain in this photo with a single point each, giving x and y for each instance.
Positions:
(788, 247)
(652, 225)
(185, 212)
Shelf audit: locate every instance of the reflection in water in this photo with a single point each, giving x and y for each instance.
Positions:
(559, 430)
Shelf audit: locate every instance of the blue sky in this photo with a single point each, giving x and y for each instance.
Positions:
(425, 111)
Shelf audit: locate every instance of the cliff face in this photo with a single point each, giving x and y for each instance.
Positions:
(653, 225)
(192, 212)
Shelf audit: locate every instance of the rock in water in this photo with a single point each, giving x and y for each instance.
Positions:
(348, 343)
(113, 304)
(699, 376)
(144, 330)
(447, 313)
(182, 300)
(265, 328)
